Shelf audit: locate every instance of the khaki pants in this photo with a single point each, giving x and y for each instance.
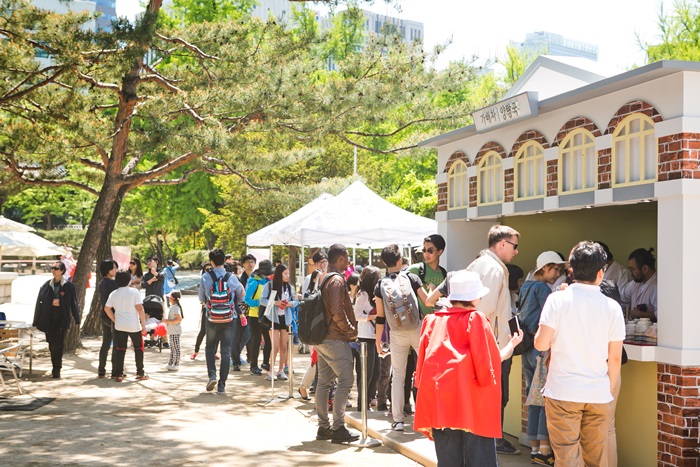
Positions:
(612, 434)
(578, 433)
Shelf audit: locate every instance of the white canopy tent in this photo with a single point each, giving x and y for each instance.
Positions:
(357, 217)
(276, 234)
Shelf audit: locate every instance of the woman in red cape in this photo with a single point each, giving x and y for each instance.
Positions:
(458, 376)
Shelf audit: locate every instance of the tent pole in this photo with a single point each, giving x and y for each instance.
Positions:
(354, 260)
(302, 262)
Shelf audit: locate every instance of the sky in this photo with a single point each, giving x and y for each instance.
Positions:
(485, 28)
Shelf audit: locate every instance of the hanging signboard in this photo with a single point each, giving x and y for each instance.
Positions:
(506, 111)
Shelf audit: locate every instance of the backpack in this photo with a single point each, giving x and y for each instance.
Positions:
(400, 303)
(220, 306)
(313, 327)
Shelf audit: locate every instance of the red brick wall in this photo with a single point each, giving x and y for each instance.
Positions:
(509, 185)
(678, 409)
(578, 122)
(530, 135)
(604, 168)
(457, 155)
(678, 156)
(552, 178)
(442, 197)
(472, 192)
(630, 108)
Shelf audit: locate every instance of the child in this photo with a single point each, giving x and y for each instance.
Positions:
(172, 323)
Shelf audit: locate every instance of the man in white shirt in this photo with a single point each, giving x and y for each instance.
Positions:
(641, 294)
(129, 323)
(614, 271)
(584, 330)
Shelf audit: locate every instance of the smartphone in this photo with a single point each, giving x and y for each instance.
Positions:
(514, 325)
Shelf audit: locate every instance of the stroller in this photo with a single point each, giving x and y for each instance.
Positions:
(153, 307)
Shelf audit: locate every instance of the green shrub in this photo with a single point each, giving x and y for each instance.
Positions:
(193, 259)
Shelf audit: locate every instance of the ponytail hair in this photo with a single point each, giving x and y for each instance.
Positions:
(176, 295)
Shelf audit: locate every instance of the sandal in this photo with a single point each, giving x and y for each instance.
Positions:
(142, 377)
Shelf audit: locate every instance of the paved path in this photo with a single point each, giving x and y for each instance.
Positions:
(170, 419)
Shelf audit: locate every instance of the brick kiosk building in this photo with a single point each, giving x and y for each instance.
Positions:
(569, 155)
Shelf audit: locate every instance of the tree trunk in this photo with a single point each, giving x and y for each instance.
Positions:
(92, 326)
(165, 241)
(96, 231)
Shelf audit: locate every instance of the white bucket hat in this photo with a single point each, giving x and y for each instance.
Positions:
(466, 286)
(548, 257)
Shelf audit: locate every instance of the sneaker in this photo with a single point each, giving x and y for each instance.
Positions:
(324, 434)
(282, 376)
(255, 371)
(166, 345)
(236, 368)
(343, 435)
(270, 377)
(407, 409)
(174, 368)
(397, 426)
(373, 403)
(265, 366)
(382, 407)
(211, 385)
(244, 361)
(119, 379)
(221, 392)
(286, 370)
(541, 459)
(503, 446)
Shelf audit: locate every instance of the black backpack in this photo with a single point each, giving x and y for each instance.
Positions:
(313, 327)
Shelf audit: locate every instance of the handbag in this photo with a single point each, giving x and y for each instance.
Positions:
(536, 396)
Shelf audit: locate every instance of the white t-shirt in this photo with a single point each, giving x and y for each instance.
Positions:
(124, 301)
(584, 322)
(363, 305)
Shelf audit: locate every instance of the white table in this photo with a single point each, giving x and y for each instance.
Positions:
(6, 324)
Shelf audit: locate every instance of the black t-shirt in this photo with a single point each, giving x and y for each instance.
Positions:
(106, 287)
(416, 284)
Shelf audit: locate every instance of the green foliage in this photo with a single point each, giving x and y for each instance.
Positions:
(69, 237)
(417, 196)
(186, 12)
(48, 206)
(194, 258)
(346, 34)
(679, 33)
(516, 62)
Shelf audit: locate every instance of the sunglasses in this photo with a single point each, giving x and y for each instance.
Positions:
(132, 262)
(515, 245)
(430, 251)
(55, 268)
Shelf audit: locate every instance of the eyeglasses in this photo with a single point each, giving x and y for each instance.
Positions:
(55, 268)
(430, 251)
(515, 245)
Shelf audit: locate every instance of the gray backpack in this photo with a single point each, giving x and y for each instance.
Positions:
(400, 303)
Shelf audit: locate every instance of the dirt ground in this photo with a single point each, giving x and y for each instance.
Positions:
(167, 420)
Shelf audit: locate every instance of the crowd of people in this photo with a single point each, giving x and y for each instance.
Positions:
(444, 340)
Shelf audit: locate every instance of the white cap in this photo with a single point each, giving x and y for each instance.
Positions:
(548, 257)
(466, 286)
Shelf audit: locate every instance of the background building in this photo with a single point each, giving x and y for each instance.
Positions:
(548, 43)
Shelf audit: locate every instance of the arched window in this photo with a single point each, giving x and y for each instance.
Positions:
(530, 176)
(578, 168)
(634, 151)
(457, 187)
(489, 182)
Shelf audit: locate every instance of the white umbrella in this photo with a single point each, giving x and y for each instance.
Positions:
(27, 244)
(9, 224)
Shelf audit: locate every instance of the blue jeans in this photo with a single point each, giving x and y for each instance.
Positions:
(241, 336)
(536, 417)
(458, 448)
(334, 361)
(219, 334)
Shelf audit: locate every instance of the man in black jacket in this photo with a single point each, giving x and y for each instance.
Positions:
(56, 302)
